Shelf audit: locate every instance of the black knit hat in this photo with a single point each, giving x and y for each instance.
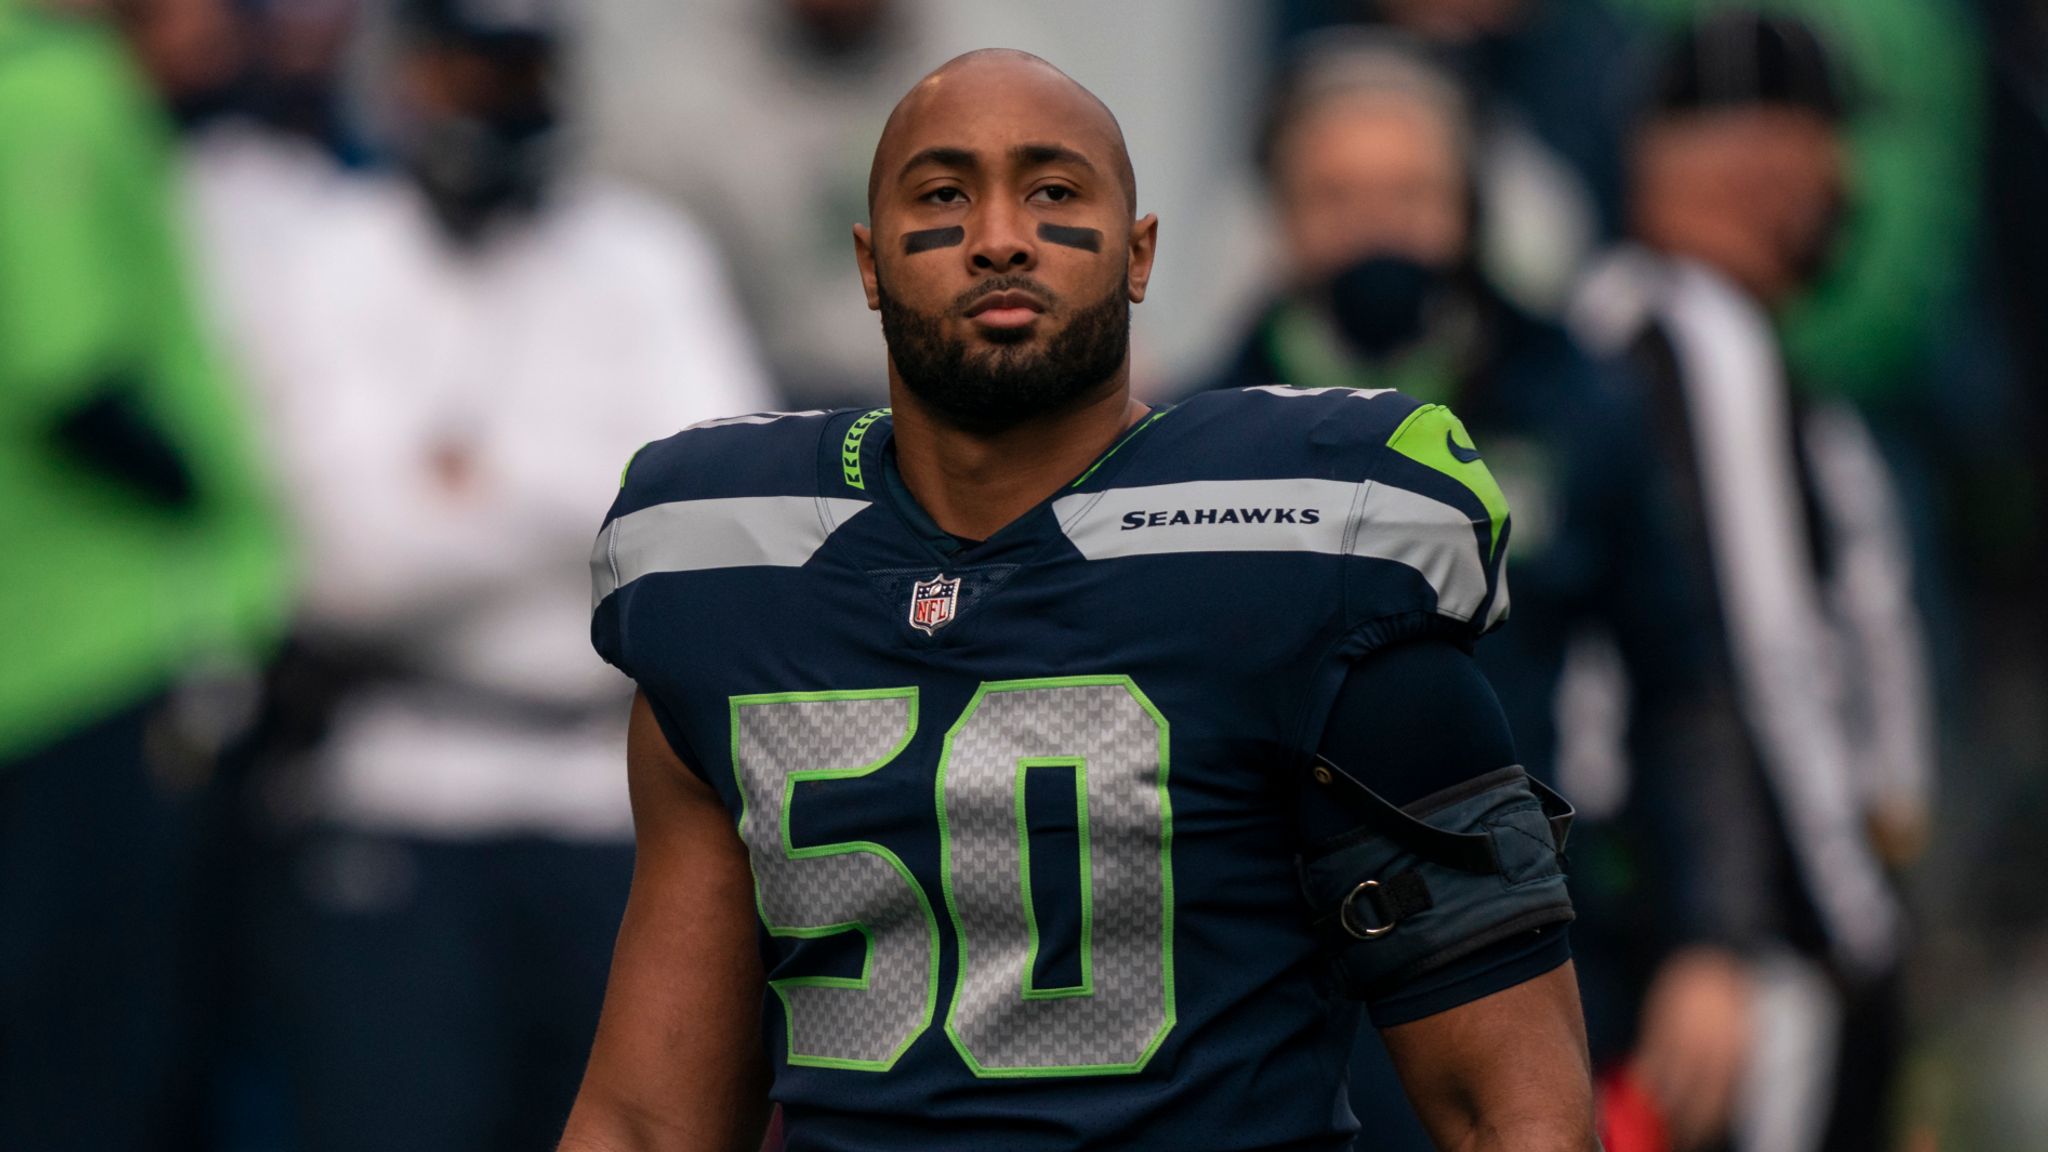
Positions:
(1736, 58)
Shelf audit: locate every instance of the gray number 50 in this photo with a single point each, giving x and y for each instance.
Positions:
(1104, 730)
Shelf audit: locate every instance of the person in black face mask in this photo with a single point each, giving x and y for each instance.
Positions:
(478, 124)
(1368, 155)
(1365, 151)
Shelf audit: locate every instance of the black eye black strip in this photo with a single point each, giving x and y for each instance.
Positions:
(930, 238)
(1086, 239)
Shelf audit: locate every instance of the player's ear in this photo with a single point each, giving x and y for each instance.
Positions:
(1144, 242)
(864, 255)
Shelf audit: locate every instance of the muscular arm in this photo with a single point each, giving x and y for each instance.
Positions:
(1505, 1072)
(678, 1064)
(1491, 1048)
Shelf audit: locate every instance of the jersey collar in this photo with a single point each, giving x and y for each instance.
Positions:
(867, 464)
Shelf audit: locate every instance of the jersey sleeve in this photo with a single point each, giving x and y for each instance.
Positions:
(1402, 501)
(1429, 541)
(604, 577)
(652, 477)
(691, 502)
(719, 496)
(1414, 526)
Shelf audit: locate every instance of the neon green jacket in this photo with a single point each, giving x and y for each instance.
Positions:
(104, 597)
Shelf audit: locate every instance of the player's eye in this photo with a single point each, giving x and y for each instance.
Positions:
(945, 195)
(1053, 194)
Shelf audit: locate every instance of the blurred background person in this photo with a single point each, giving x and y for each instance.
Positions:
(1889, 305)
(762, 108)
(142, 556)
(1368, 153)
(459, 355)
(267, 141)
(255, 91)
(1572, 74)
(1740, 185)
(1552, 84)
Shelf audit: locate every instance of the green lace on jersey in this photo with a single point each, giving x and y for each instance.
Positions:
(849, 449)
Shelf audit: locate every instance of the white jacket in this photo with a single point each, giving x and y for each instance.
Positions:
(449, 426)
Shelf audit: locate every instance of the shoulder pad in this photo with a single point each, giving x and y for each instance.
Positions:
(1330, 433)
(732, 493)
(1429, 503)
(1435, 438)
(1433, 509)
(763, 454)
(1395, 485)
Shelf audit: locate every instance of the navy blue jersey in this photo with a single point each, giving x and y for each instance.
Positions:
(1018, 810)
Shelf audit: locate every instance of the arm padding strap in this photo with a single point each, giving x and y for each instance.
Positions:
(1408, 891)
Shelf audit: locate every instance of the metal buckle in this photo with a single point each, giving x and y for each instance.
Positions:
(1344, 914)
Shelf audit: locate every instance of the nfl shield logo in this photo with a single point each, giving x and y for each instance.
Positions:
(932, 603)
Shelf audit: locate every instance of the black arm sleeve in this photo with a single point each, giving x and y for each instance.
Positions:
(1411, 720)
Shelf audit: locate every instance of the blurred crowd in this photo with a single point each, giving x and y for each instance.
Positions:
(326, 327)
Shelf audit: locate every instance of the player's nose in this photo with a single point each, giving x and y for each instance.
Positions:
(1000, 240)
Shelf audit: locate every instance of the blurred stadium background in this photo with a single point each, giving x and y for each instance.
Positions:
(326, 326)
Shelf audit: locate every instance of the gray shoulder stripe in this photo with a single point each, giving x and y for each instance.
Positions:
(1290, 390)
(752, 418)
(1431, 537)
(694, 535)
(1294, 515)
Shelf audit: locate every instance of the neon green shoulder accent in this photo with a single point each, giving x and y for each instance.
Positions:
(629, 463)
(1432, 435)
(849, 448)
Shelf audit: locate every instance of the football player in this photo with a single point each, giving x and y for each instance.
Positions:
(1017, 767)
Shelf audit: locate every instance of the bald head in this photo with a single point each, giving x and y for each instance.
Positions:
(980, 79)
(1003, 248)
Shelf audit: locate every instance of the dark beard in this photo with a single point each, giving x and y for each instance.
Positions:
(1001, 387)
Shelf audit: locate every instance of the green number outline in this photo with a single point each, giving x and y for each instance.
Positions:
(1171, 1016)
(1087, 985)
(841, 848)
